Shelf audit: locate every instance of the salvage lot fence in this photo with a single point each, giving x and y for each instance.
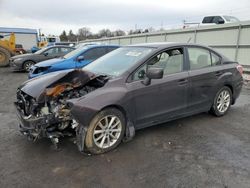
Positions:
(232, 40)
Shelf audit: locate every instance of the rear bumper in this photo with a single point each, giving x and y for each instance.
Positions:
(237, 90)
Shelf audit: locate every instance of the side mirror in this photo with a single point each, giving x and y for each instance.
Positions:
(45, 54)
(153, 73)
(80, 58)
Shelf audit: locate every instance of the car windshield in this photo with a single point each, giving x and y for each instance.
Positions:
(75, 52)
(118, 61)
(41, 51)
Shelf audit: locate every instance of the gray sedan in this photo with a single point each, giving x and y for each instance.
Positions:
(130, 88)
(25, 61)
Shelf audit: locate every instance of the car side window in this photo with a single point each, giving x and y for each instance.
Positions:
(208, 19)
(94, 53)
(52, 51)
(216, 60)
(171, 61)
(65, 50)
(199, 58)
(218, 19)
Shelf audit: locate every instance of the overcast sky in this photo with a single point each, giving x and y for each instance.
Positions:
(53, 16)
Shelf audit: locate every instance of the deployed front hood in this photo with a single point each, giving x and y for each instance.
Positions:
(36, 87)
(49, 62)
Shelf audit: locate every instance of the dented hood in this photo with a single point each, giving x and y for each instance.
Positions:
(37, 86)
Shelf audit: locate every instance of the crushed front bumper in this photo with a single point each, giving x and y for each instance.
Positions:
(35, 127)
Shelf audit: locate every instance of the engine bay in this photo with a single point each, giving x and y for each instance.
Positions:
(49, 115)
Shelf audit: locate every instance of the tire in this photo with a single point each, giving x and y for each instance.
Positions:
(101, 137)
(27, 65)
(4, 57)
(222, 102)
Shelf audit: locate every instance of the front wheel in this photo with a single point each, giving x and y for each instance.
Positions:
(222, 101)
(27, 65)
(105, 131)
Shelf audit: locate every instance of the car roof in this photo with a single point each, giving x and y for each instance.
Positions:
(63, 46)
(166, 44)
(101, 45)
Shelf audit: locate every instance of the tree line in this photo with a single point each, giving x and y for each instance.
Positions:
(84, 33)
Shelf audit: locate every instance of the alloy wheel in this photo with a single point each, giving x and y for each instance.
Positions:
(223, 101)
(28, 65)
(107, 131)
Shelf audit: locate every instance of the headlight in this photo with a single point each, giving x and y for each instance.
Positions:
(40, 69)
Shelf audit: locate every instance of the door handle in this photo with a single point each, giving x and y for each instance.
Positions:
(183, 81)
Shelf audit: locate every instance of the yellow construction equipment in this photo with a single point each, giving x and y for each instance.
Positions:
(7, 48)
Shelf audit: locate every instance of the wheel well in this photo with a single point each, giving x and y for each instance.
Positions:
(130, 128)
(119, 108)
(231, 88)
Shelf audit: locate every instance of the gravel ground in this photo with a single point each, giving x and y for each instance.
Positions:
(199, 151)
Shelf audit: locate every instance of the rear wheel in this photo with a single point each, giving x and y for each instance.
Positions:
(27, 65)
(4, 57)
(105, 131)
(222, 101)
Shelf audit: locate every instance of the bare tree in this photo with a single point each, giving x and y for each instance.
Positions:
(84, 33)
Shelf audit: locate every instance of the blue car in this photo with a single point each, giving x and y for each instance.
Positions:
(75, 59)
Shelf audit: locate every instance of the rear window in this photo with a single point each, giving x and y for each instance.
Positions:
(199, 58)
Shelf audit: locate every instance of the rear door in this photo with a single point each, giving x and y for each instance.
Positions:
(203, 78)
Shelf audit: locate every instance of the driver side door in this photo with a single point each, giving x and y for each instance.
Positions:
(165, 98)
(50, 54)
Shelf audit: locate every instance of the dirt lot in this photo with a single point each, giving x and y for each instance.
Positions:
(199, 151)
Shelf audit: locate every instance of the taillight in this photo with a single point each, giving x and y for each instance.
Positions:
(240, 69)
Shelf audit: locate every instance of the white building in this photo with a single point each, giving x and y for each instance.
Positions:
(26, 37)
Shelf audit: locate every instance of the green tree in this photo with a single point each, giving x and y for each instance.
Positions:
(63, 36)
(71, 36)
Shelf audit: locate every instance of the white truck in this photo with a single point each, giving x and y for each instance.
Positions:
(211, 20)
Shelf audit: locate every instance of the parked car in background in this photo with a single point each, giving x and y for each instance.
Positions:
(75, 59)
(25, 61)
(128, 89)
(19, 49)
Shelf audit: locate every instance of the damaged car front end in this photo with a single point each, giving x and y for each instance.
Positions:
(42, 106)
